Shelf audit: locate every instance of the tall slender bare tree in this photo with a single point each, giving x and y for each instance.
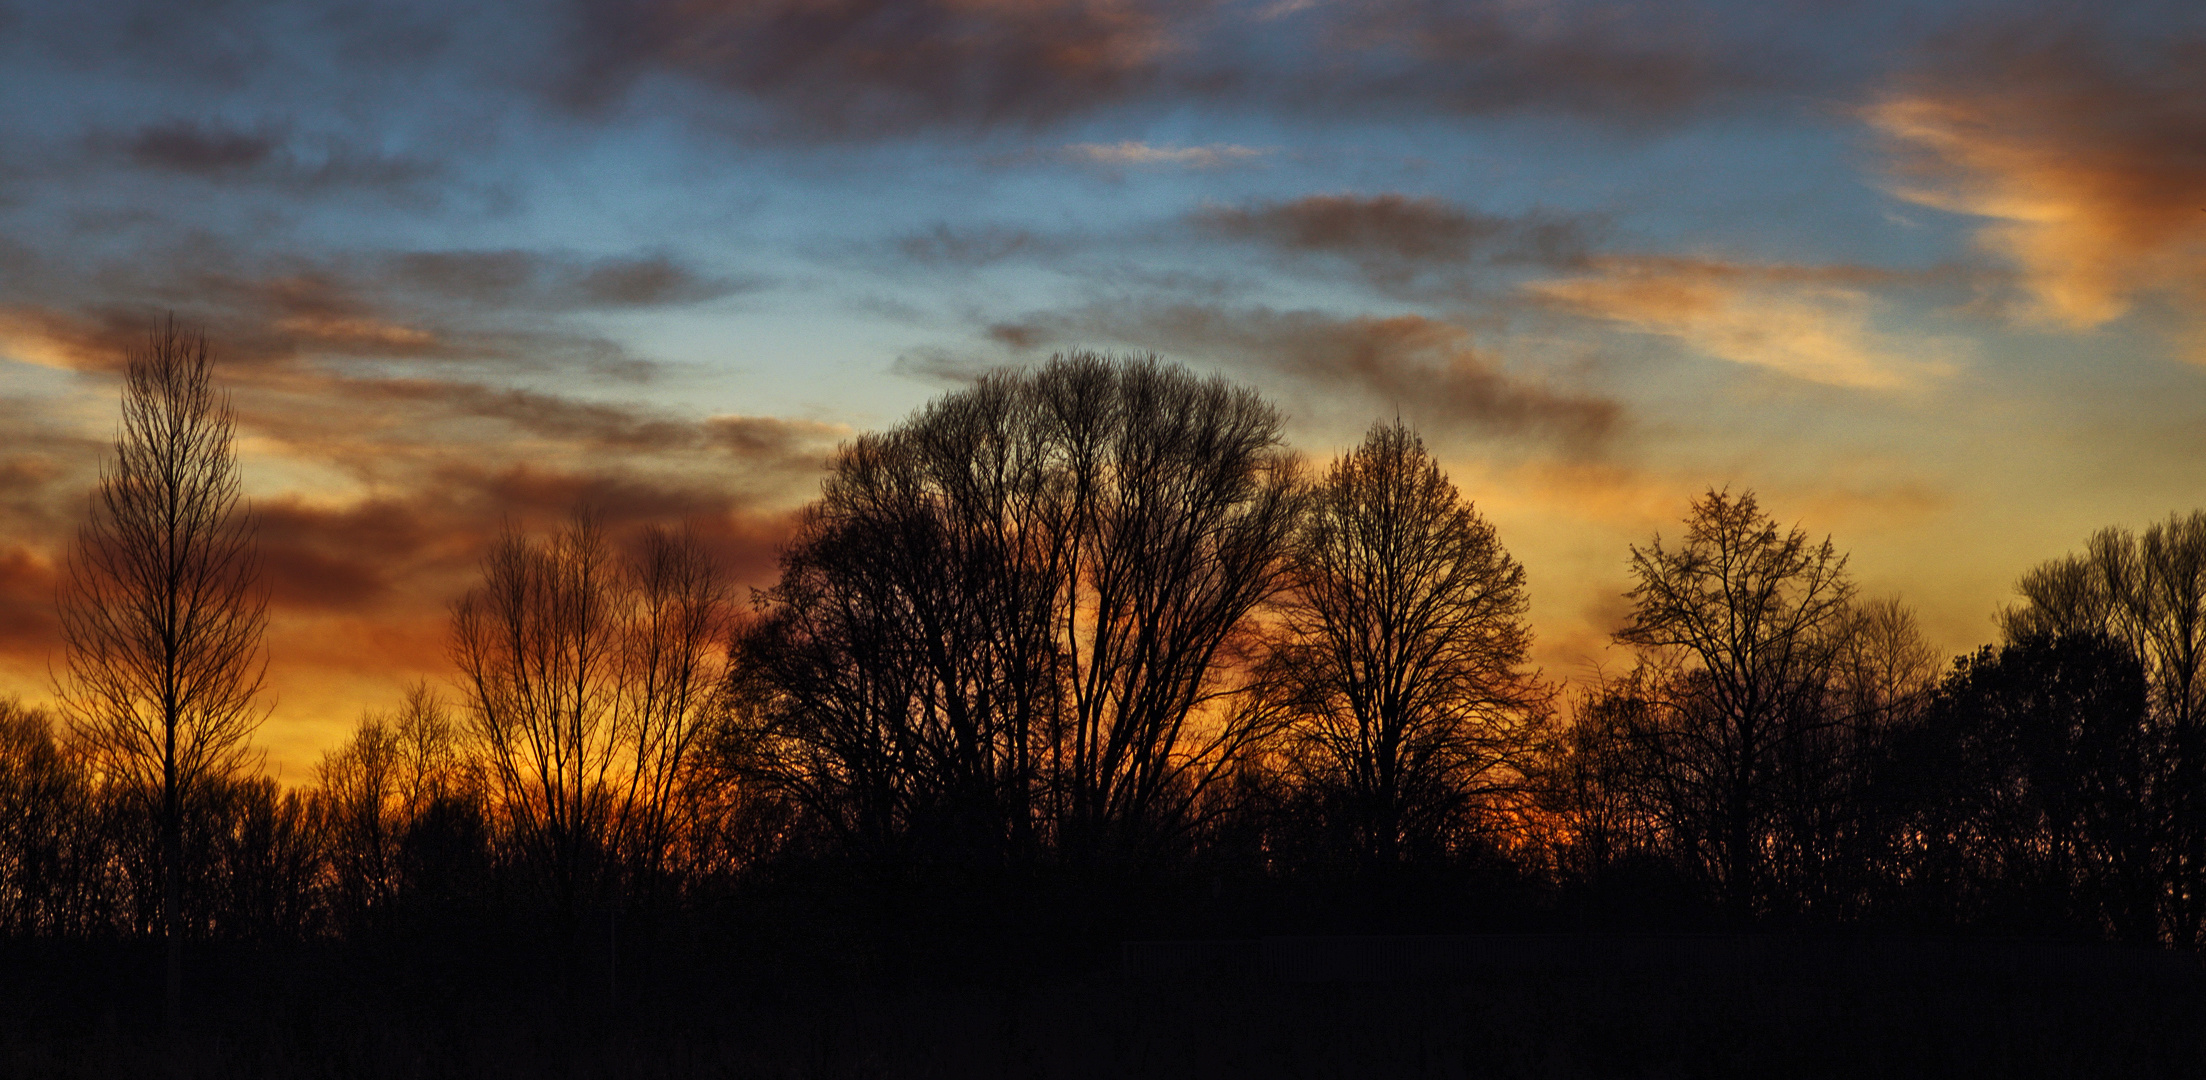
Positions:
(162, 612)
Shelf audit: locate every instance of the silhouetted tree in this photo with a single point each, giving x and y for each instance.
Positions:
(375, 790)
(53, 852)
(1006, 622)
(589, 679)
(2149, 592)
(2029, 776)
(160, 610)
(1405, 652)
(675, 648)
(537, 645)
(1850, 835)
(1179, 503)
(1739, 630)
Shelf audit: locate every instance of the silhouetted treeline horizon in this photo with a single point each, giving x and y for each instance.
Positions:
(1097, 623)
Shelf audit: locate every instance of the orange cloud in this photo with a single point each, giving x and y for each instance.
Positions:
(2092, 171)
(1812, 323)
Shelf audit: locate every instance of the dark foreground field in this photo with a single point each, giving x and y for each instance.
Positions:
(1529, 1006)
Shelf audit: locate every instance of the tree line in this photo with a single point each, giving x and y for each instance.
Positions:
(1098, 618)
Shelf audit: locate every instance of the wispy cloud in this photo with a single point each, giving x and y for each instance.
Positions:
(1392, 237)
(1134, 154)
(1811, 323)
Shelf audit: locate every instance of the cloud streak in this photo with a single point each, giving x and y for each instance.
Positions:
(1131, 153)
(1423, 368)
(1810, 323)
(1391, 237)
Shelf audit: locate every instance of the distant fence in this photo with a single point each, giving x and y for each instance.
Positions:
(1377, 958)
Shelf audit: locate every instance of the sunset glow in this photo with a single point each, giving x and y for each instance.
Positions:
(1929, 281)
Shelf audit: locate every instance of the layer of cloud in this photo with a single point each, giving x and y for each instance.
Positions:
(506, 307)
(1811, 323)
(1620, 64)
(2089, 160)
(874, 68)
(270, 154)
(1420, 367)
(1390, 236)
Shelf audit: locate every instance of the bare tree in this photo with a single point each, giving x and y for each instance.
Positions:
(1179, 504)
(675, 660)
(355, 793)
(539, 656)
(1012, 620)
(905, 671)
(1738, 631)
(51, 849)
(371, 792)
(1406, 651)
(161, 610)
(1886, 669)
(589, 680)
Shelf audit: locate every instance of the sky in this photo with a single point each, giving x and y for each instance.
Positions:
(1929, 279)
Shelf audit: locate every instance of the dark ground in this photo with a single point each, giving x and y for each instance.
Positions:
(1546, 1006)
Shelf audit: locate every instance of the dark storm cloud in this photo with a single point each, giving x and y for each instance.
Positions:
(1421, 367)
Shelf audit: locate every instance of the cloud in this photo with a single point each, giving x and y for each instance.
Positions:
(271, 155)
(2089, 161)
(800, 444)
(27, 623)
(1390, 236)
(872, 67)
(1130, 153)
(1812, 323)
(502, 307)
(860, 69)
(184, 146)
(1615, 64)
(1424, 368)
(975, 246)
